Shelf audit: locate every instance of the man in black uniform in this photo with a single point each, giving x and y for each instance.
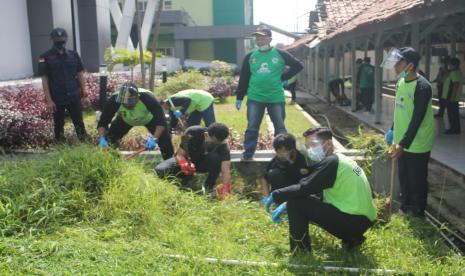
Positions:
(63, 82)
(286, 168)
(202, 150)
(135, 107)
(347, 210)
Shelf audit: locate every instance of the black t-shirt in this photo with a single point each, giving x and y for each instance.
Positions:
(61, 70)
(193, 141)
(293, 171)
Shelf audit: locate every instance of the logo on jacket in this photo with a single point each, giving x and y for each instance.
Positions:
(274, 60)
(357, 170)
(264, 68)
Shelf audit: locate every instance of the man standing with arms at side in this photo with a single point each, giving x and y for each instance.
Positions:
(64, 86)
(366, 83)
(262, 74)
(413, 130)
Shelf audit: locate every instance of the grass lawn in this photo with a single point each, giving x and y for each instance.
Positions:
(84, 211)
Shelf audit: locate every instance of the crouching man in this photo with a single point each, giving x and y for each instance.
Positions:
(347, 210)
(202, 150)
(286, 168)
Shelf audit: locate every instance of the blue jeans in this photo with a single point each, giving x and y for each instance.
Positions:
(255, 112)
(208, 116)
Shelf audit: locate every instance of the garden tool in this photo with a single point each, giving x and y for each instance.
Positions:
(173, 108)
(392, 180)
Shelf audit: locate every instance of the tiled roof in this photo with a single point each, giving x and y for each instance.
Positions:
(344, 15)
(300, 42)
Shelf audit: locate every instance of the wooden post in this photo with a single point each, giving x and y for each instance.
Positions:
(354, 75)
(326, 75)
(141, 45)
(337, 61)
(317, 69)
(154, 45)
(453, 48)
(428, 56)
(378, 78)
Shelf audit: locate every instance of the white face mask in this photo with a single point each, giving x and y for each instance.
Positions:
(264, 48)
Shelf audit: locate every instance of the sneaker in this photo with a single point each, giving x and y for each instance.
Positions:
(246, 159)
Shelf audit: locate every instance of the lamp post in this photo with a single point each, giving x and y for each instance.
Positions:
(103, 78)
(164, 73)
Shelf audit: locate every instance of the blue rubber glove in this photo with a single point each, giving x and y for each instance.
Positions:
(276, 215)
(268, 201)
(177, 114)
(102, 142)
(389, 136)
(285, 83)
(238, 104)
(262, 201)
(151, 143)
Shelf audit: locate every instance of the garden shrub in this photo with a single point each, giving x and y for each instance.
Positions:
(191, 79)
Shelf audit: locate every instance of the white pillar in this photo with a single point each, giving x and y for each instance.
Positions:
(378, 83)
(123, 39)
(354, 76)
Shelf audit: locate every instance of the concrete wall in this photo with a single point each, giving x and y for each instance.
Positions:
(15, 49)
(200, 50)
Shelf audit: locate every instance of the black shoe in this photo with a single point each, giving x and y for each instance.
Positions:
(437, 116)
(452, 132)
(353, 243)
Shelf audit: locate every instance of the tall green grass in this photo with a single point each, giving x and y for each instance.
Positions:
(103, 215)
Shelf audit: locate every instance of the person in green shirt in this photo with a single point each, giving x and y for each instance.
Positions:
(134, 106)
(262, 74)
(291, 85)
(346, 210)
(366, 83)
(452, 92)
(191, 105)
(412, 134)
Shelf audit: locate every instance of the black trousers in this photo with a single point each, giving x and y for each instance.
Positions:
(303, 211)
(75, 112)
(291, 87)
(442, 102)
(453, 115)
(210, 164)
(119, 128)
(413, 174)
(367, 97)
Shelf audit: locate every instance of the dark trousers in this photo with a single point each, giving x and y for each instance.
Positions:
(291, 87)
(413, 174)
(208, 116)
(442, 102)
(453, 115)
(367, 97)
(75, 112)
(303, 211)
(210, 164)
(119, 128)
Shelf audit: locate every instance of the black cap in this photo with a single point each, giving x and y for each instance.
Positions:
(410, 55)
(59, 34)
(263, 30)
(454, 62)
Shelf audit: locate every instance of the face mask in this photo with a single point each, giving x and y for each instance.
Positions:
(264, 48)
(316, 153)
(59, 44)
(402, 74)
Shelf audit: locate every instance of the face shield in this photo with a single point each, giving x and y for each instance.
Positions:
(127, 95)
(313, 151)
(391, 59)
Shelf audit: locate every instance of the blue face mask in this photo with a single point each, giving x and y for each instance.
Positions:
(402, 74)
(316, 153)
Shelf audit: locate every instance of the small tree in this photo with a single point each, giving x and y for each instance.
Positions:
(131, 59)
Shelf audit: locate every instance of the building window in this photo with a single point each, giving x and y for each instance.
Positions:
(166, 51)
(167, 5)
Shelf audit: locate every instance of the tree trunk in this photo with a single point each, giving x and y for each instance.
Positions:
(154, 44)
(141, 50)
